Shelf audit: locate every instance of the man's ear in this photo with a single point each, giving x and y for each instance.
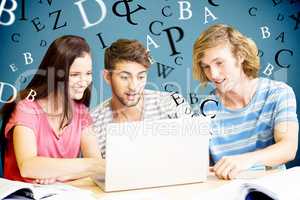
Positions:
(240, 58)
(107, 76)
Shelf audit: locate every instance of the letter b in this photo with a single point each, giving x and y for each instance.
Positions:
(28, 58)
(265, 32)
(9, 11)
(187, 10)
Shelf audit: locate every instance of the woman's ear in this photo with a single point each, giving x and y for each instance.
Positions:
(107, 76)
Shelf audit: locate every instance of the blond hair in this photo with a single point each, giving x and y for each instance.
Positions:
(240, 46)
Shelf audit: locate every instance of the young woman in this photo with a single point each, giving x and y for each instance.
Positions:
(48, 125)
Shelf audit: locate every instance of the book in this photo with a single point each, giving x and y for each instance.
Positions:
(20, 190)
(282, 185)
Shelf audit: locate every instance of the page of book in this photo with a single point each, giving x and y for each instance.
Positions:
(283, 185)
(35, 191)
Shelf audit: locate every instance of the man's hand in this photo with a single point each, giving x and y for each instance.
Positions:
(228, 167)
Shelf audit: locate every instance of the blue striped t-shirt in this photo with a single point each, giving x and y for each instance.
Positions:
(250, 128)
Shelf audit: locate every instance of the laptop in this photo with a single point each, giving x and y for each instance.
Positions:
(149, 154)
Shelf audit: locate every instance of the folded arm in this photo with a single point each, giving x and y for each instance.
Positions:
(284, 150)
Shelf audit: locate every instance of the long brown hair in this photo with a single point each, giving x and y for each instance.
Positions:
(56, 63)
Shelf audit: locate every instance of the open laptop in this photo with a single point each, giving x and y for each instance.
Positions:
(155, 153)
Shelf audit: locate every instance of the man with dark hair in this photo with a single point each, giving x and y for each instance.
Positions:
(126, 66)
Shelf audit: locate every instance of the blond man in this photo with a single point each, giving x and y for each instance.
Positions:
(255, 123)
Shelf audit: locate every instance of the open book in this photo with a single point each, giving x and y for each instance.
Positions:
(283, 185)
(16, 189)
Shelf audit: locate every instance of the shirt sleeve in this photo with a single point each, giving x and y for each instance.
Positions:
(25, 114)
(286, 105)
(85, 117)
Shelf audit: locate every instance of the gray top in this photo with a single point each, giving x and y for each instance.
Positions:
(157, 105)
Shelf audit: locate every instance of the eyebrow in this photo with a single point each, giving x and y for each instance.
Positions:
(77, 72)
(128, 73)
(124, 72)
(142, 72)
(206, 65)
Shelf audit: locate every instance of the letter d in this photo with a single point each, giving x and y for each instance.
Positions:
(2, 84)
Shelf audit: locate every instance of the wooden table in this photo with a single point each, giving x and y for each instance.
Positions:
(176, 192)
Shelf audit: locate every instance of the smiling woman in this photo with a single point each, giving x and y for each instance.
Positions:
(44, 136)
(80, 77)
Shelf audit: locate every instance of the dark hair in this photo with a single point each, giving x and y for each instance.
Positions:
(126, 50)
(55, 66)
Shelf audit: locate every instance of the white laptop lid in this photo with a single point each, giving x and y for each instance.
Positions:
(156, 153)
